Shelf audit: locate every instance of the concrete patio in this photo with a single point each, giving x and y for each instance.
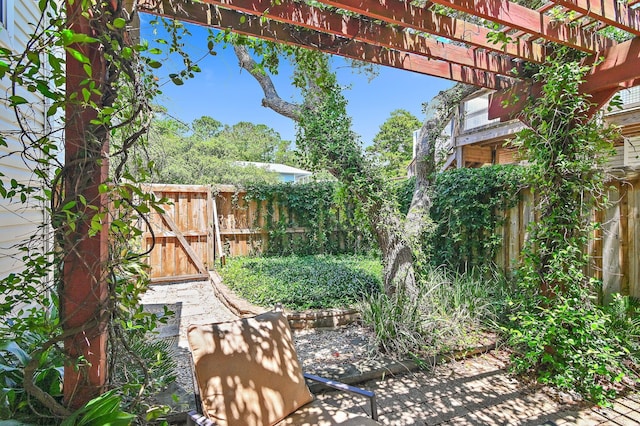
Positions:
(473, 391)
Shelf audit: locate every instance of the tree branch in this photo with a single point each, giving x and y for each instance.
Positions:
(439, 111)
(271, 98)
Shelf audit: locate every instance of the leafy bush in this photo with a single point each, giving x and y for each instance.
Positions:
(139, 369)
(574, 344)
(451, 311)
(17, 351)
(467, 209)
(331, 218)
(304, 282)
(103, 410)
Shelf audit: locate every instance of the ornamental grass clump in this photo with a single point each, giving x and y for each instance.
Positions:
(451, 311)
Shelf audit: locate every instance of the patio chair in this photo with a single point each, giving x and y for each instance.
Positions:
(246, 372)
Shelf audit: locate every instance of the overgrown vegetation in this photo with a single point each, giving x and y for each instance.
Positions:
(333, 222)
(451, 311)
(468, 207)
(80, 58)
(304, 282)
(558, 330)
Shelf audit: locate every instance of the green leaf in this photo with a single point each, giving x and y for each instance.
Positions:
(88, 69)
(119, 23)
(4, 68)
(77, 55)
(69, 205)
(17, 100)
(127, 52)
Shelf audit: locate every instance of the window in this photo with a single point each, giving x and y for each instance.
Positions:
(6, 22)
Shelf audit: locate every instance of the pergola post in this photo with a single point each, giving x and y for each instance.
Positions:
(84, 290)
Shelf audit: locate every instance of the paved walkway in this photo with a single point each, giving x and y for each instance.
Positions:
(480, 391)
(475, 391)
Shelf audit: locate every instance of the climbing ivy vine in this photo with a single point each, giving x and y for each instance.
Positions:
(556, 327)
(32, 327)
(310, 218)
(468, 207)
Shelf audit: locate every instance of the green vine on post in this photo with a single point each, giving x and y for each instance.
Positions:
(118, 96)
(556, 327)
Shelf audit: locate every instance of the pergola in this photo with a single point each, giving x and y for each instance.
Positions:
(444, 38)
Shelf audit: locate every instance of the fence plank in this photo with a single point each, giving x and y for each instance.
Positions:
(514, 236)
(611, 243)
(634, 239)
(181, 232)
(623, 251)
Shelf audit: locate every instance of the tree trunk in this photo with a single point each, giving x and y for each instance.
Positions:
(387, 226)
(439, 112)
(397, 254)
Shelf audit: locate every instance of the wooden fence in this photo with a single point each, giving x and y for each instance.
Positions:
(614, 248)
(183, 234)
(240, 221)
(186, 246)
(242, 224)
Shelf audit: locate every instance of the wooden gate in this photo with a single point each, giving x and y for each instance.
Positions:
(183, 234)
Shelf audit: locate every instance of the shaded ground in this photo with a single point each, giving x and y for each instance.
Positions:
(475, 391)
(479, 391)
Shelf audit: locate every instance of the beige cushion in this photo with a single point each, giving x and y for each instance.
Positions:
(247, 370)
(317, 413)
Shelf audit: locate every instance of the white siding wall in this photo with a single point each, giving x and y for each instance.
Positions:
(17, 221)
(475, 112)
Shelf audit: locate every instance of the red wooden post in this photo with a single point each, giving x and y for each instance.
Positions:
(84, 290)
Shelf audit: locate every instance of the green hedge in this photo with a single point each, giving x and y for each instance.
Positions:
(332, 220)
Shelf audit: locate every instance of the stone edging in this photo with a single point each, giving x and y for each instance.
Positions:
(400, 367)
(297, 320)
(323, 318)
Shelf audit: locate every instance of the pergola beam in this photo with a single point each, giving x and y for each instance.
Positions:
(618, 69)
(212, 16)
(620, 64)
(402, 13)
(616, 13)
(531, 22)
(370, 32)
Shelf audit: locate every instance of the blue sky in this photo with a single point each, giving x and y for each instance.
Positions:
(230, 95)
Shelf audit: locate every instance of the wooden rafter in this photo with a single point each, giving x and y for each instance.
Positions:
(616, 13)
(530, 21)
(402, 13)
(242, 23)
(399, 34)
(619, 68)
(370, 32)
